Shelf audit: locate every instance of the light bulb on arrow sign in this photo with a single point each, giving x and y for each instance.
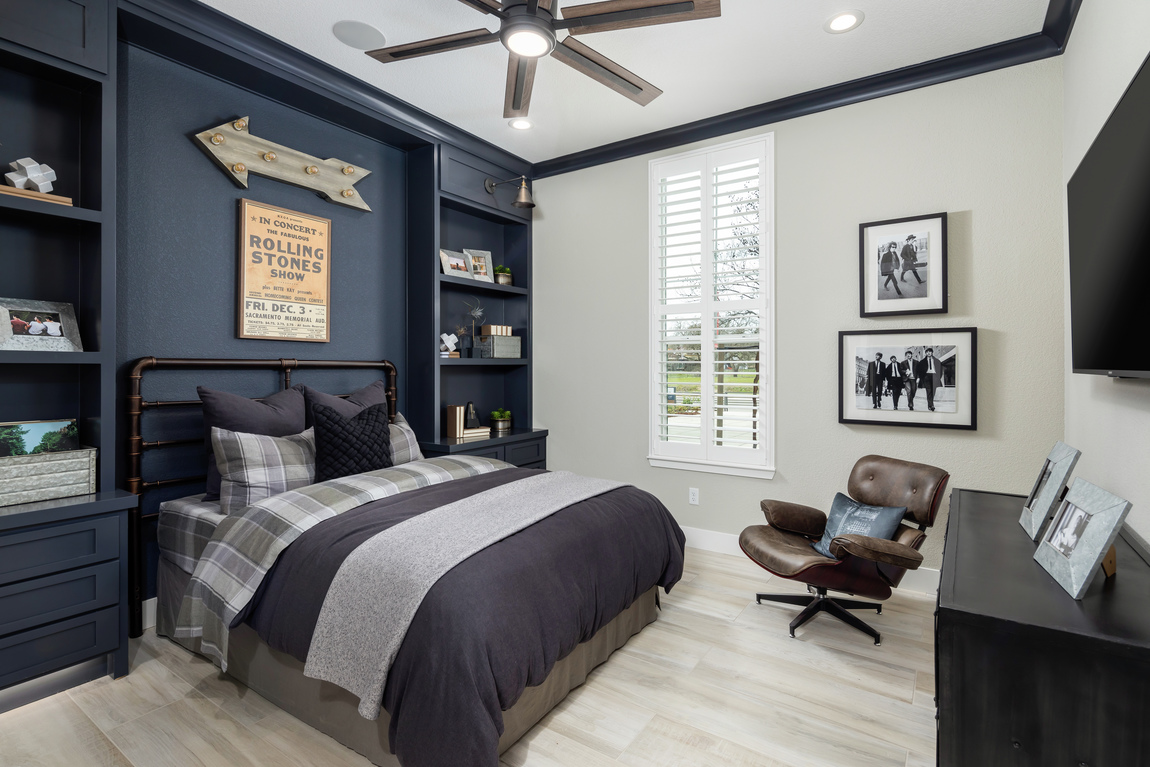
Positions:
(237, 152)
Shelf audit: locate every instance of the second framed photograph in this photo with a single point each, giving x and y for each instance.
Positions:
(923, 377)
(902, 266)
(479, 265)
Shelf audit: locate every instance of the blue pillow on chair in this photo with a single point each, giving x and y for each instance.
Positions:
(849, 517)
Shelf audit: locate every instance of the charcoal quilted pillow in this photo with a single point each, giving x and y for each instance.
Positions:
(352, 445)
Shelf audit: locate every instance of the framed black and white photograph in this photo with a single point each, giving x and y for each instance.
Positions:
(1047, 491)
(454, 264)
(479, 265)
(41, 326)
(909, 377)
(902, 266)
(1082, 531)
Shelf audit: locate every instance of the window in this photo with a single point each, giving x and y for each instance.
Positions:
(712, 306)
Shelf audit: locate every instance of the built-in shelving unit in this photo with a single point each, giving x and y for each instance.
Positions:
(63, 562)
(451, 210)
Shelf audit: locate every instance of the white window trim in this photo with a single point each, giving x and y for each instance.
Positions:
(758, 470)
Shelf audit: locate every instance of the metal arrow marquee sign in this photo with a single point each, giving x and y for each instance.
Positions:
(232, 147)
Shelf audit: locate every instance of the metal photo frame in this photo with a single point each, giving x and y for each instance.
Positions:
(1047, 491)
(454, 264)
(913, 238)
(479, 265)
(1082, 531)
(15, 332)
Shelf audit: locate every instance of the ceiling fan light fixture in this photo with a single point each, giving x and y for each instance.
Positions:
(527, 35)
(844, 21)
(528, 43)
(521, 123)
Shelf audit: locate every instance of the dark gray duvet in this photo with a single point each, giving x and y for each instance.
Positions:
(493, 625)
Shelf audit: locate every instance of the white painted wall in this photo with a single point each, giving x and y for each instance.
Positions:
(986, 149)
(1109, 421)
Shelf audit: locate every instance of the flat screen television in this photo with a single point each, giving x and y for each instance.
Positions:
(1108, 204)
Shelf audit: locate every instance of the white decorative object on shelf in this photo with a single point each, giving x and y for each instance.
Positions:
(29, 174)
(449, 342)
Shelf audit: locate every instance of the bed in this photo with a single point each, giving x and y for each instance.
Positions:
(501, 634)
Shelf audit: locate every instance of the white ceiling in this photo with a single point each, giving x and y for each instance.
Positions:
(758, 51)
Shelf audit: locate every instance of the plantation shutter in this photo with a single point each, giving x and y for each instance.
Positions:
(710, 325)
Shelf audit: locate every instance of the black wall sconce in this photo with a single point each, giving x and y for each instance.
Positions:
(522, 199)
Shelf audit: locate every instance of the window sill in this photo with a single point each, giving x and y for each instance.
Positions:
(711, 467)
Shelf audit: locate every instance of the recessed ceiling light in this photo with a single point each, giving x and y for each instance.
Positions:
(358, 35)
(521, 123)
(843, 22)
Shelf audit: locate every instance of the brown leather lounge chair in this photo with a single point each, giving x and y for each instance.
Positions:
(865, 566)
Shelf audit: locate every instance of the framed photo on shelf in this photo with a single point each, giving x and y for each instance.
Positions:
(33, 437)
(1047, 491)
(454, 264)
(1083, 530)
(902, 266)
(38, 326)
(479, 265)
(923, 377)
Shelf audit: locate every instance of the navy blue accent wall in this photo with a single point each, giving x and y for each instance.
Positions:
(177, 259)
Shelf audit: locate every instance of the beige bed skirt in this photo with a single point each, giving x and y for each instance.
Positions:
(334, 711)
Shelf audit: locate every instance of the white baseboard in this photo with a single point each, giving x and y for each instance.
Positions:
(924, 579)
(149, 610)
(711, 540)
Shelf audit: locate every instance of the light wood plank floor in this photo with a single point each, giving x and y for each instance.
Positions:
(714, 682)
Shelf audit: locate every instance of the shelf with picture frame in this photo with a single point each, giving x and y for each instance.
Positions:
(58, 96)
(458, 219)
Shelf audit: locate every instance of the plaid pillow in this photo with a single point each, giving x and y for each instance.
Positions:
(404, 445)
(253, 466)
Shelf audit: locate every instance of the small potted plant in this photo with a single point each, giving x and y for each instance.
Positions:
(503, 275)
(501, 420)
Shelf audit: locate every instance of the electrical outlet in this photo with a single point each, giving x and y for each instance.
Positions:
(693, 495)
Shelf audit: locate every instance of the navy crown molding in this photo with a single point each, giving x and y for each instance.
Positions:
(200, 37)
(1050, 42)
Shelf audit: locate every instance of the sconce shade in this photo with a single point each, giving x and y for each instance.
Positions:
(523, 199)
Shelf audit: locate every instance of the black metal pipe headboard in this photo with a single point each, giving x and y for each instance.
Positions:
(136, 444)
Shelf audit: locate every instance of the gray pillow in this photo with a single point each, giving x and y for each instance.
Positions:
(256, 466)
(404, 444)
(279, 415)
(849, 517)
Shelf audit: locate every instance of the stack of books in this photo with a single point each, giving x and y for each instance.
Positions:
(482, 432)
(449, 355)
(495, 330)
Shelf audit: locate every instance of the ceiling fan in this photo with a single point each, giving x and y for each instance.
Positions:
(529, 28)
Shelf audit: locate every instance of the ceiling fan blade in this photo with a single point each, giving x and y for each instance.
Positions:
(434, 45)
(486, 6)
(520, 79)
(600, 68)
(625, 14)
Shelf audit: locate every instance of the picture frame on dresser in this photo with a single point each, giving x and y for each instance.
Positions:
(909, 377)
(1048, 488)
(1081, 533)
(891, 250)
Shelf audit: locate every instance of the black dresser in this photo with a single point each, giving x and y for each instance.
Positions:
(63, 594)
(1027, 676)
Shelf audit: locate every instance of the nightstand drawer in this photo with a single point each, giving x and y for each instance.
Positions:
(57, 645)
(50, 550)
(55, 597)
(523, 453)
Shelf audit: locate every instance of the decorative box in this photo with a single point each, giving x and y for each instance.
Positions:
(498, 347)
(44, 476)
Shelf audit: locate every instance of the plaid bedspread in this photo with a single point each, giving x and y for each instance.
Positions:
(246, 545)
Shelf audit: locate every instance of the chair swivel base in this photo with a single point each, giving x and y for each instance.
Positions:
(820, 602)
